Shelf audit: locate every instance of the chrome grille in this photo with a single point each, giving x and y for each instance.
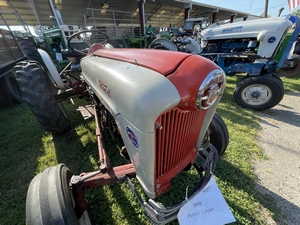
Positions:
(177, 132)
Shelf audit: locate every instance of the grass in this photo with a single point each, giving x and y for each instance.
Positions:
(26, 149)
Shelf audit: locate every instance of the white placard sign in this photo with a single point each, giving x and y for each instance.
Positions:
(207, 207)
(59, 56)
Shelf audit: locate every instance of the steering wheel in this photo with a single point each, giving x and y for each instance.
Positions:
(83, 40)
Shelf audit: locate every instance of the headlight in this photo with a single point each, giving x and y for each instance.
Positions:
(203, 43)
(210, 89)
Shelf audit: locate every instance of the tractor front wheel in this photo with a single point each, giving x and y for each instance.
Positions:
(259, 92)
(218, 134)
(50, 200)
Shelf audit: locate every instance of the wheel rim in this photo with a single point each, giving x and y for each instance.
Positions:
(256, 95)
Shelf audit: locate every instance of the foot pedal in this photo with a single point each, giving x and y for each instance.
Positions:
(87, 111)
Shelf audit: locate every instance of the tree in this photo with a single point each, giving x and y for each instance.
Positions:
(296, 13)
(263, 14)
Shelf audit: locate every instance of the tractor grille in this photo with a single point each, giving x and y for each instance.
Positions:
(177, 132)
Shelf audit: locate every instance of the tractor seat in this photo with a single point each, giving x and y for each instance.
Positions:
(184, 41)
(177, 33)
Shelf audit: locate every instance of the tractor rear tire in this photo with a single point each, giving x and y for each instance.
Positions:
(29, 50)
(293, 71)
(218, 133)
(50, 201)
(12, 85)
(259, 92)
(7, 95)
(37, 91)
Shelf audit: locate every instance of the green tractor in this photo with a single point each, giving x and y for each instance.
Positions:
(55, 39)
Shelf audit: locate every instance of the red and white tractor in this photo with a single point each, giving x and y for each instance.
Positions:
(161, 103)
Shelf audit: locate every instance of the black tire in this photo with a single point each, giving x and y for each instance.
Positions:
(259, 92)
(50, 201)
(36, 91)
(218, 134)
(29, 49)
(12, 85)
(7, 97)
(279, 81)
(294, 70)
(277, 77)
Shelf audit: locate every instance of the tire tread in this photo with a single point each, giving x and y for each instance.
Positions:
(33, 84)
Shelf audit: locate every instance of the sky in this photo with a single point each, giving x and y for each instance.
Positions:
(254, 7)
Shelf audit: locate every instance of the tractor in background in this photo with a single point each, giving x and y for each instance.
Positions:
(55, 40)
(10, 54)
(14, 47)
(262, 49)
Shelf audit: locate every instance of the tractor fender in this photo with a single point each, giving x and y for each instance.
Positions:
(194, 46)
(51, 69)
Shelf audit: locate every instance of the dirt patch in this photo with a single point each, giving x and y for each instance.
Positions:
(279, 176)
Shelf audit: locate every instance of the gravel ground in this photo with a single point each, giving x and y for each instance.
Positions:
(279, 176)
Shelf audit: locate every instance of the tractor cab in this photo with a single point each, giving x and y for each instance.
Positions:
(195, 23)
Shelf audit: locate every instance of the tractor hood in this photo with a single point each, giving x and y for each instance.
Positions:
(130, 82)
(268, 31)
(144, 87)
(163, 62)
(246, 29)
(141, 84)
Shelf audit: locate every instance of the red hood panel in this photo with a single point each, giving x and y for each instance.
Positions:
(161, 61)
